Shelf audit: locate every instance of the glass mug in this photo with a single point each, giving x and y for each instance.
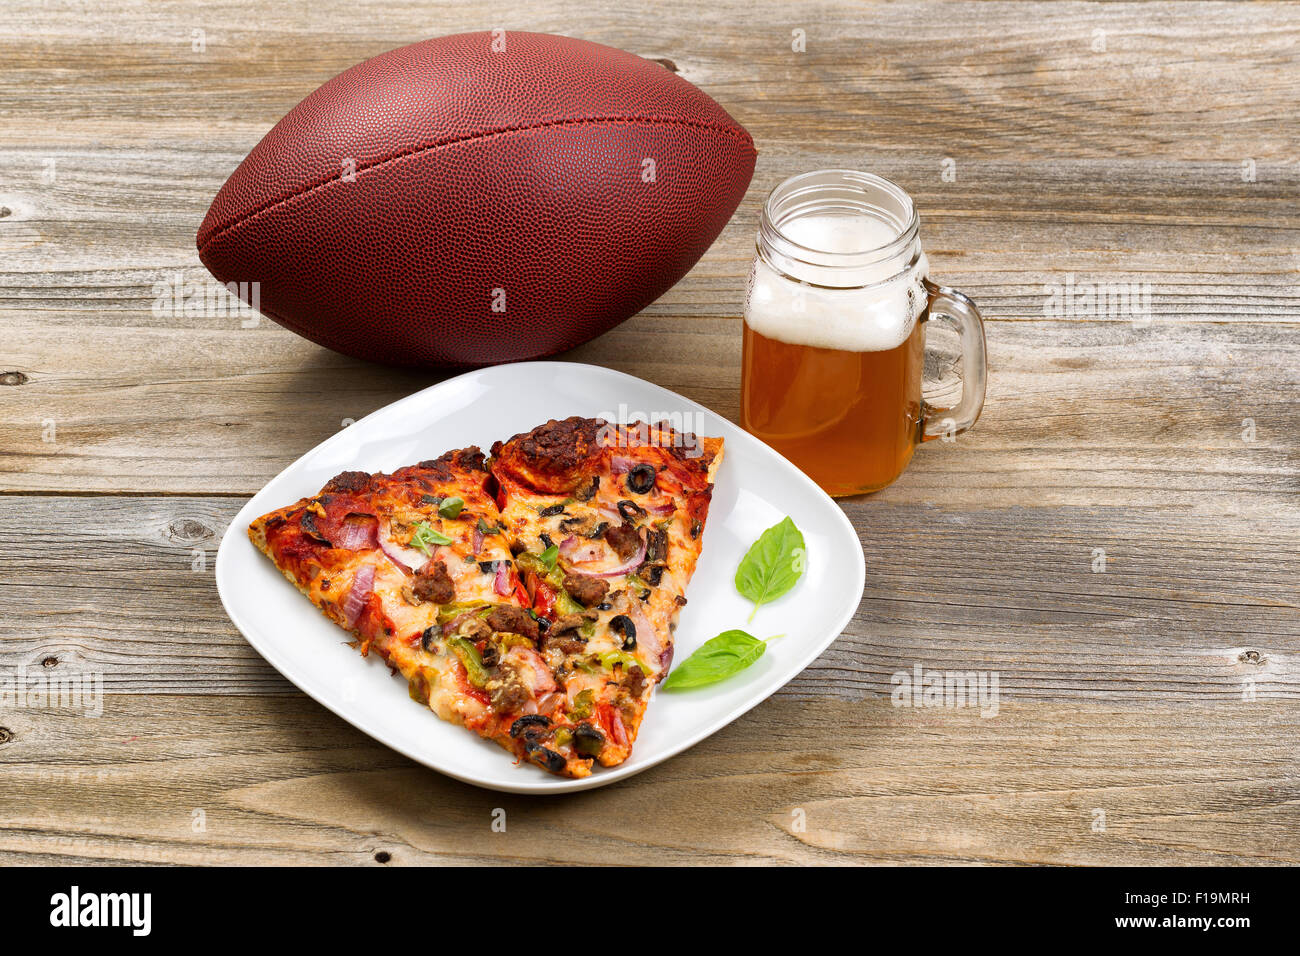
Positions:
(835, 321)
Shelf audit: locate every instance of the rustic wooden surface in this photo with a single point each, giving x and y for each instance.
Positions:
(1107, 141)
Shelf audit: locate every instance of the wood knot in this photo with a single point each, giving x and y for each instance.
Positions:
(189, 529)
(50, 661)
(13, 378)
(6, 735)
(383, 856)
(667, 64)
(5, 212)
(1250, 657)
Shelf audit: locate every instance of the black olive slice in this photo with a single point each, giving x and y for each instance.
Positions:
(529, 720)
(544, 756)
(630, 510)
(431, 634)
(622, 624)
(641, 479)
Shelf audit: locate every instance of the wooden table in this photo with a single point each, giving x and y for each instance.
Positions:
(1148, 694)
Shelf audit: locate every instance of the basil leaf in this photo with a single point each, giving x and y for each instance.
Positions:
(720, 657)
(773, 565)
(451, 507)
(425, 535)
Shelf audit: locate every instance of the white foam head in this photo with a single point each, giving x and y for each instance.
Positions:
(863, 304)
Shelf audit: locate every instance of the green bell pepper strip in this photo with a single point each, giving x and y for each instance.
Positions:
(469, 657)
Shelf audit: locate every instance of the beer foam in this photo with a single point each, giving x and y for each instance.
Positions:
(878, 309)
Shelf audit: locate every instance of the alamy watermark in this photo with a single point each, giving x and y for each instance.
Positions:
(42, 690)
(627, 428)
(952, 689)
(175, 296)
(74, 908)
(1091, 300)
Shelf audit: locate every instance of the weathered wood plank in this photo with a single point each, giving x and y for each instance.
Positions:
(1078, 413)
(1189, 606)
(279, 780)
(1068, 158)
(1190, 79)
(88, 248)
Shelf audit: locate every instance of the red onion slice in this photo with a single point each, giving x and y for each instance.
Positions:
(536, 674)
(478, 541)
(394, 553)
(576, 552)
(501, 584)
(630, 565)
(362, 586)
(621, 465)
(356, 533)
(619, 732)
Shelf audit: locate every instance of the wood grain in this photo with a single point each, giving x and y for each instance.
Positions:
(278, 780)
(1044, 142)
(970, 588)
(1080, 413)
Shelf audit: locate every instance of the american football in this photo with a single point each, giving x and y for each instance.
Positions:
(478, 198)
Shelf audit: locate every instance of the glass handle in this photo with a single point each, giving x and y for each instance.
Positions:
(948, 423)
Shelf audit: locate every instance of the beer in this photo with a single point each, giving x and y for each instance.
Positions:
(834, 332)
(849, 419)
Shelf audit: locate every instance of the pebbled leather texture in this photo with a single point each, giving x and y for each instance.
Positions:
(388, 212)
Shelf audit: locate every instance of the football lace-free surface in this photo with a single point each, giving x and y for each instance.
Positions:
(453, 204)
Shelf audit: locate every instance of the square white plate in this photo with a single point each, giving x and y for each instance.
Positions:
(755, 489)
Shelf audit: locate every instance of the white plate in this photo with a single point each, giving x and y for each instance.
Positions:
(755, 489)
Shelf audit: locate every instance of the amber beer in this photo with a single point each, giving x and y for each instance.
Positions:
(834, 333)
(850, 420)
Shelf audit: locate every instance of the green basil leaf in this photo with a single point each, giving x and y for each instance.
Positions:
(773, 565)
(451, 507)
(425, 535)
(720, 657)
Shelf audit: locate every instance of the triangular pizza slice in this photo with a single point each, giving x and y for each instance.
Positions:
(415, 566)
(606, 523)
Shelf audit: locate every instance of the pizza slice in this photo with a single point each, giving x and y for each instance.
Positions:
(416, 567)
(606, 525)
